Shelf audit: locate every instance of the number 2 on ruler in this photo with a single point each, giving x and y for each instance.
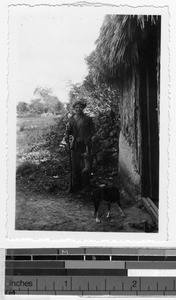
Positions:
(134, 283)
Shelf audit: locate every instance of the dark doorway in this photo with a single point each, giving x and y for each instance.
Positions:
(149, 112)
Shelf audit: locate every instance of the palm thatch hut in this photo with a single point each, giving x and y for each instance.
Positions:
(127, 55)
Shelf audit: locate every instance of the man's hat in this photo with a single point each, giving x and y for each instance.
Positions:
(83, 104)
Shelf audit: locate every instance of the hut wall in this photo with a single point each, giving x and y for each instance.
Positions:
(130, 137)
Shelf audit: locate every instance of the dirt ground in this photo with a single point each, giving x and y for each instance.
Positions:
(63, 212)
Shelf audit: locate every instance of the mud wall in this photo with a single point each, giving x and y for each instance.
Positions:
(130, 137)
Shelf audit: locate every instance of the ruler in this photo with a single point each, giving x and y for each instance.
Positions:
(90, 271)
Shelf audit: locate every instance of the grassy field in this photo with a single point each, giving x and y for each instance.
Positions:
(39, 160)
(30, 138)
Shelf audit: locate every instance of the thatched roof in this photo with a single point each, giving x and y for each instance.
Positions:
(117, 46)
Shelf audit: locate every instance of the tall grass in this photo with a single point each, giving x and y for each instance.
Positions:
(31, 133)
(37, 168)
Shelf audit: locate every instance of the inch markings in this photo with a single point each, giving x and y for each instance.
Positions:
(75, 284)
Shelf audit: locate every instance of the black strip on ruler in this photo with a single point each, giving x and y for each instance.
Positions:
(70, 257)
(96, 272)
(35, 272)
(97, 257)
(44, 257)
(170, 258)
(125, 257)
(18, 257)
(66, 272)
(34, 264)
(151, 258)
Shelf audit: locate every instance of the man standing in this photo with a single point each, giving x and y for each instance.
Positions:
(81, 128)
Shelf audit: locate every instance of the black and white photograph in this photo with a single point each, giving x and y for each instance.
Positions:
(85, 87)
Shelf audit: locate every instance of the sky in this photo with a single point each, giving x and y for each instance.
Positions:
(47, 47)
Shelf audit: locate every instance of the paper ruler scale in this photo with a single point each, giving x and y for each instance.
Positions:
(91, 271)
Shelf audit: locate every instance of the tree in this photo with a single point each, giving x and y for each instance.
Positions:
(99, 98)
(50, 102)
(36, 106)
(22, 107)
(58, 107)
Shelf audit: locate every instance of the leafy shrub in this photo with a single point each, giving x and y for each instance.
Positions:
(26, 168)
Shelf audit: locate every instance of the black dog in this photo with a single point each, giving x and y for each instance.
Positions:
(109, 194)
